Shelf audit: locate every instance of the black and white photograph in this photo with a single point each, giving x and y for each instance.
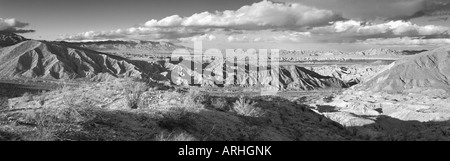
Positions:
(224, 70)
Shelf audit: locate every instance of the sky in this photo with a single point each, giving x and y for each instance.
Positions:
(345, 25)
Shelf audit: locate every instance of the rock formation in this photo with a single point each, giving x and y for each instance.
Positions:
(36, 59)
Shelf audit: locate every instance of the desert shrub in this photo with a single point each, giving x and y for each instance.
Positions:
(177, 118)
(220, 104)
(133, 92)
(246, 107)
(45, 127)
(182, 136)
(197, 97)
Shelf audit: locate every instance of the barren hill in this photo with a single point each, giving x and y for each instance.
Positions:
(290, 77)
(427, 70)
(36, 59)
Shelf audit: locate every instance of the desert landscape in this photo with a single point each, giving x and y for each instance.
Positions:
(139, 90)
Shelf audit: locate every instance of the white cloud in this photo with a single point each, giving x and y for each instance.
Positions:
(408, 41)
(13, 25)
(386, 9)
(138, 33)
(261, 14)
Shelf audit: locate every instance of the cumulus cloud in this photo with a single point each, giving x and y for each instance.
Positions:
(261, 14)
(205, 37)
(392, 27)
(387, 9)
(13, 25)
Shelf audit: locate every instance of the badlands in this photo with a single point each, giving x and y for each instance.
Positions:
(134, 90)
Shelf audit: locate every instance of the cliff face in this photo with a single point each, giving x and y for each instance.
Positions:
(290, 77)
(35, 59)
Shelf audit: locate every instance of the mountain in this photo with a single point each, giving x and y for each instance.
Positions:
(9, 38)
(39, 59)
(427, 70)
(130, 47)
(290, 77)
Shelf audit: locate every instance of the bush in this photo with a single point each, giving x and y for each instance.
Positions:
(164, 136)
(27, 96)
(220, 104)
(133, 92)
(247, 108)
(177, 118)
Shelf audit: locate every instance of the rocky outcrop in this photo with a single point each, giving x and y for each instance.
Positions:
(290, 77)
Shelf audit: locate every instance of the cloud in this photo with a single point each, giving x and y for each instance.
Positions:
(261, 14)
(271, 22)
(205, 37)
(13, 25)
(408, 41)
(352, 31)
(386, 9)
(258, 16)
(138, 33)
(392, 27)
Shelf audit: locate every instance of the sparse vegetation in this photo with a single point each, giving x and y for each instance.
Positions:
(133, 92)
(3, 103)
(182, 136)
(175, 118)
(246, 107)
(220, 104)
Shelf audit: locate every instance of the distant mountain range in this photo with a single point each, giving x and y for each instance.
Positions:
(20, 57)
(129, 47)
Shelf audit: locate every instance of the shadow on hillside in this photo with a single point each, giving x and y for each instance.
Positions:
(16, 90)
(8, 136)
(387, 128)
